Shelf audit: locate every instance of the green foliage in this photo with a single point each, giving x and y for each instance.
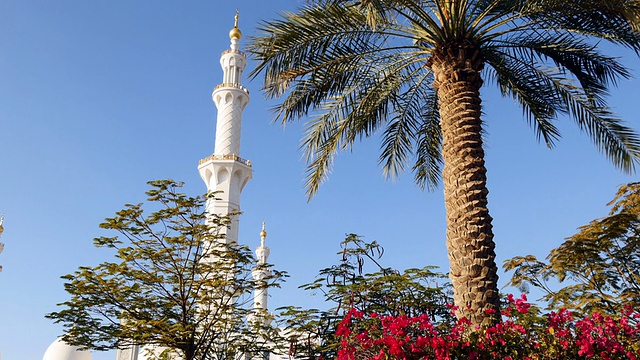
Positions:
(601, 263)
(352, 69)
(175, 283)
(360, 281)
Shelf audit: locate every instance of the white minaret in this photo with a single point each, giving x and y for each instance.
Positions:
(127, 353)
(225, 171)
(260, 275)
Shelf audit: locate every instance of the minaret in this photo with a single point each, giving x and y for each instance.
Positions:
(225, 171)
(129, 352)
(261, 275)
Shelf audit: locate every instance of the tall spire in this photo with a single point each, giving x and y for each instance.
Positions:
(225, 171)
(235, 33)
(262, 252)
(260, 275)
(263, 233)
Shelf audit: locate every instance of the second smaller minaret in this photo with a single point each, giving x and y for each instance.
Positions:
(261, 276)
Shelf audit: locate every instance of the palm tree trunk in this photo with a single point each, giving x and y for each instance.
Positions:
(473, 271)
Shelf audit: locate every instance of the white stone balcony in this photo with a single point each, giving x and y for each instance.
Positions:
(226, 157)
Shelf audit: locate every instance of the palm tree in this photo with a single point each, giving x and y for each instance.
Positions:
(413, 69)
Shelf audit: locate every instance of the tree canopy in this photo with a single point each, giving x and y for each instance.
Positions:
(361, 281)
(176, 285)
(599, 266)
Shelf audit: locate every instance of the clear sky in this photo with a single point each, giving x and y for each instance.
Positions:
(96, 98)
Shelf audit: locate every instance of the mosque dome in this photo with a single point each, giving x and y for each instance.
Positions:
(59, 350)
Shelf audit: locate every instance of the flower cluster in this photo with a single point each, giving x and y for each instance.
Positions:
(524, 333)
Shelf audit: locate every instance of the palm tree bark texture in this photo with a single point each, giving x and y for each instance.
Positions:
(469, 233)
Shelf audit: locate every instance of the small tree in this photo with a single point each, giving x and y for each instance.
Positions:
(601, 262)
(360, 281)
(176, 284)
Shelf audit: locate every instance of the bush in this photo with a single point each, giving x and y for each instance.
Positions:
(524, 333)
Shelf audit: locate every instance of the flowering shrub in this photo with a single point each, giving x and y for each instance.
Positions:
(524, 333)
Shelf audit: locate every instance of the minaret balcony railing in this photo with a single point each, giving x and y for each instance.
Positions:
(234, 51)
(233, 85)
(226, 157)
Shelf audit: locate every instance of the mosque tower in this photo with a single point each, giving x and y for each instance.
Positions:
(260, 273)
(225, 171)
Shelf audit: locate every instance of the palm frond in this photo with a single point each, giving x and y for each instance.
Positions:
(617, 21)
(356, 67)
(618, 142)
(302, 43)
(528, 66)
(428, 166)
(518, 78)
(400, 135)
(594, 71)
(545, 92)
(358, 112)
(325, 47)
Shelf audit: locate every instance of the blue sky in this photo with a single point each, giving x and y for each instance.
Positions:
(96, 98)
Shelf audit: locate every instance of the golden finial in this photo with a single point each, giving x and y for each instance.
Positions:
(263, 233)
(1, 222)
(235, 33)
